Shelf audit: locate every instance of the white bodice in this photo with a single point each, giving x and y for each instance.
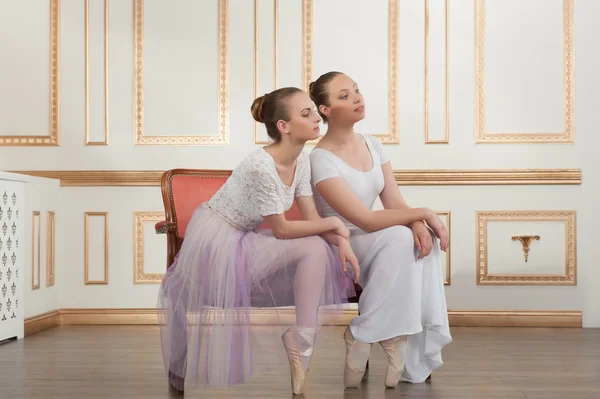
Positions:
(365, 185)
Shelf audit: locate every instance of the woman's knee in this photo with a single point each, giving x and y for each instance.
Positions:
(316, 248)
(400, 236)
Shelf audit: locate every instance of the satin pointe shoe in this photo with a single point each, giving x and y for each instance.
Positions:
(297, 370)
(357, 356)
(395, 349)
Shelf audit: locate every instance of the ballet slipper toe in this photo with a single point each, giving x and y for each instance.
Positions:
(297, 370)
(395, 350)
(357, 356)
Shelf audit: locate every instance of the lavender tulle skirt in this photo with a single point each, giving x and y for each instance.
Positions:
(230, 294)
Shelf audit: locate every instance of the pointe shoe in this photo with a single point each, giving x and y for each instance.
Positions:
(297, 370)
(395, 349)
(357, 356)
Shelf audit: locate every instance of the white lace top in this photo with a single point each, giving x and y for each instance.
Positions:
(254, 190)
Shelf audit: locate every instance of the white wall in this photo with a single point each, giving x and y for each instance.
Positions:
(524, 93)
(44, 195)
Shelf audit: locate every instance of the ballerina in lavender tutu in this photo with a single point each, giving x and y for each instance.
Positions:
(227, 264)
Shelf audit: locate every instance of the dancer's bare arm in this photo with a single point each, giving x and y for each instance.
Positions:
(391, 198)
(346, 254)
(348, 205)
(309, 212)
(287, 229)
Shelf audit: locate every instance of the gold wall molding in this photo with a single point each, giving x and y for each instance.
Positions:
(307, 48)
(525, 243)
(87, 76)
(53, 138)
(423, 177)
(140, 276)
(457, 318)
(393, 134)
(36, 235)
(222, 137)
(485, 177)
(567, 135)
(446, 139)
(50, 248)
(86, 234)
(570, 275)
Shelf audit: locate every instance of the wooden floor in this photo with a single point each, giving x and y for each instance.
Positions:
(125, 362)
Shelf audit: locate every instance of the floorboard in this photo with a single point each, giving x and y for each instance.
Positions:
(125, 362)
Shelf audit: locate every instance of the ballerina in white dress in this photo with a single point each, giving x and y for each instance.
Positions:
(403, 304)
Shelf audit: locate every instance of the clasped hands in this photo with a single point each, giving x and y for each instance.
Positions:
(422, 234)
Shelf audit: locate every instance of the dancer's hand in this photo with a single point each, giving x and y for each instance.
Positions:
(347, 256)
(422, 237)
(340, 228)
(439, 229)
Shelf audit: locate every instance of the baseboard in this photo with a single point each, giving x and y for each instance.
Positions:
(149, 317)
(146, 316)
(41, 322)
(515, 318)
(457, 318)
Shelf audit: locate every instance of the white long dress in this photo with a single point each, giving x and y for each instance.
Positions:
(402, 295)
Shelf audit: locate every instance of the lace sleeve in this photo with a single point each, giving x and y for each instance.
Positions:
(304, 189)
(263, 192)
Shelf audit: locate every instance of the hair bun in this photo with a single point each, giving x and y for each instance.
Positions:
(257, 108)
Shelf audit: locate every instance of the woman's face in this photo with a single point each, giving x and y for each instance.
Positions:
(346, 103)
(304, 120)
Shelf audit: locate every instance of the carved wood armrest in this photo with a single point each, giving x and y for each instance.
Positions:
(164, 227)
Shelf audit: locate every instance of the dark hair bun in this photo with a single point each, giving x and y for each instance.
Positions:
(257, 108)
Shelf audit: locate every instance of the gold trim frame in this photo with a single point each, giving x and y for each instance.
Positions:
(393, 135)
(446, 139)
(427, 177)
(570, 275)
(307, 50)
(275, 58)
(53, 138)
(485, 177)
(50, 248)
(87, 280)
(567, 135)
(36, 215)
(223, 131)
(139, 276)
(87, 76)
(447, 214)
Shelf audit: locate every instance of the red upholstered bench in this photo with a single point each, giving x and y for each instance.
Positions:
(183, 190)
